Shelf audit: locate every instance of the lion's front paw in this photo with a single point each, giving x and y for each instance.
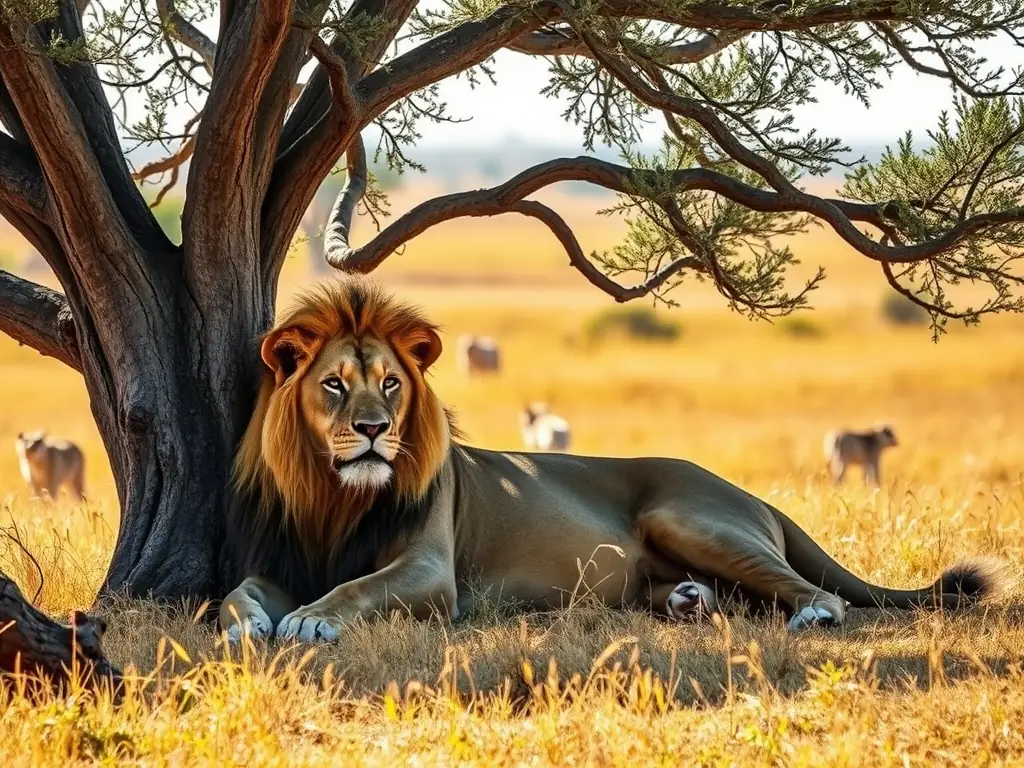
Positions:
(256, 625)
(307, 627)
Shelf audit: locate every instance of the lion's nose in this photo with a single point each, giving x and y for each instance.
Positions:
(371, 428)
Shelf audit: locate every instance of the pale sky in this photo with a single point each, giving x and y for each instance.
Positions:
(515, 108)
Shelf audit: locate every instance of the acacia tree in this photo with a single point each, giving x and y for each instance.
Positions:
(163, 331)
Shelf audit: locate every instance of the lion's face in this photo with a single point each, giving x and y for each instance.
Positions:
(355, 398)
(345, 408)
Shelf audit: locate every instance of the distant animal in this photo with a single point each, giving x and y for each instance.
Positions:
(355, 498)
(543, 430)
(48, 464)
(477, 354)
(843, 448)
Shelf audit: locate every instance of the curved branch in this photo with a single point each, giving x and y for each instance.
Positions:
(342, 97)
(839, 214)
(314, 102)
(565, 42)
(773, 15)
(38, 317)
(949, 73)
(586, 267)
(339, 223)
(305, 163)
(451, 52)
(186, 33)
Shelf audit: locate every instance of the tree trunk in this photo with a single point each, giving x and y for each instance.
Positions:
(170, 433)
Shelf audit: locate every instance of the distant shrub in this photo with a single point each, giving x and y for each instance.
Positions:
(799, 325)
(635, 322)
(899, 310)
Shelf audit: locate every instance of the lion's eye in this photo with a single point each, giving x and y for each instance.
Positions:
(334, 385)
(390, 384)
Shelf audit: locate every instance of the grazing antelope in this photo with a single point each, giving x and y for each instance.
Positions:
(844, 448)
(543, 430)
(477, 354)
(47, 464)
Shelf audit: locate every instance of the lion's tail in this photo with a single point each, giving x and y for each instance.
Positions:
(960, 586)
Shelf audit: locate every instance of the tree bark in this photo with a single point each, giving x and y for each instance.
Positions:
(171, 438)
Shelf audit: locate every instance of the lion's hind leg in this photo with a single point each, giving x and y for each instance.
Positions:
(743, 549)
(254, 608)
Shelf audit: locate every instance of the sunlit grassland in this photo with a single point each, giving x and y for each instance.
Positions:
(749, 400)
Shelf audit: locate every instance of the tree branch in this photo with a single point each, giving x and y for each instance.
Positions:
(38, 317)
(21, 181)
(303, 165)
(565, 42)
(186, 33)
(342, 98)
(339, 222)
(771, 15)
(315, 100)
(33, 643)
(451, 52)
(248, 54)
(82, 87)
(597, 278)
(839, 214)
(317, 132)
(75, 180)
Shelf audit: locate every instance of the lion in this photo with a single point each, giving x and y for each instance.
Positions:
(355, 497)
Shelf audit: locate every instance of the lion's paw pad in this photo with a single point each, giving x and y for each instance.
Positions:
(812, 616)
(307, 629)
(689, 601)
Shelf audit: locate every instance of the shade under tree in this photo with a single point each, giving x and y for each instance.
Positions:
(281, 92)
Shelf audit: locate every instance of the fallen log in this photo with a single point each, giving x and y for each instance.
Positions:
(32, 643)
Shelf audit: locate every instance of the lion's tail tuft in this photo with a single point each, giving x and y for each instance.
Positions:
(971, 581)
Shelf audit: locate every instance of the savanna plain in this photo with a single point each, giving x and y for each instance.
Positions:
(750, 400)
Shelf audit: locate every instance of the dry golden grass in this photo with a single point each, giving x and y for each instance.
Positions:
(750, 401)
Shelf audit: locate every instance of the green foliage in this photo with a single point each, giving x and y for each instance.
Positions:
(635, 322)
(29, 11)
(736, 247)
(973, 165)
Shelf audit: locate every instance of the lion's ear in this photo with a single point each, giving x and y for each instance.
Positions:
(427, 348)
(285, 350)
